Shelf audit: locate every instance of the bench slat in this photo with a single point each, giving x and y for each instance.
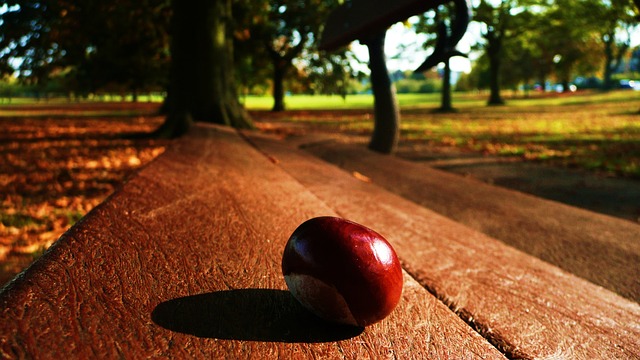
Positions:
(184, 261)
(360, 19)
(523, 305)
(606, 251)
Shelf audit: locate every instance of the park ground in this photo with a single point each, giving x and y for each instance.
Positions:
(58, 160)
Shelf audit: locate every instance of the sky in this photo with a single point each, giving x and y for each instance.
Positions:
(404, 49)
(401, 37)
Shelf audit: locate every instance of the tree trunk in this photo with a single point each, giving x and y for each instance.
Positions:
(387, 116)
(608, 60)
(279, 72)
(201, 81)
(543, 82)
(446, 87)
(494, 80)
(281, 60)
(494, 52)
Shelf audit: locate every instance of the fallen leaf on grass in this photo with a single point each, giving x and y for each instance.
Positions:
(55, 170)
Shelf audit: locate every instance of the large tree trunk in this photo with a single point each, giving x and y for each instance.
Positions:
(202, 84)
(387, 116)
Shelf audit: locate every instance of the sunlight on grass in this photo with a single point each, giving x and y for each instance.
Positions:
(359, 101)
(601, 136)
(298, 102)
(595, 131)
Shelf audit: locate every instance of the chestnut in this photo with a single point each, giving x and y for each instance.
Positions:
(342, 271)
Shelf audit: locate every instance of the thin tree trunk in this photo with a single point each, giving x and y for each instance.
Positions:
(494, 79)
(608, 60)
(202, 84)
(543, 82)
(281, 61)
(446, 87)
(494, 51)
(279, 72)
(387, 116)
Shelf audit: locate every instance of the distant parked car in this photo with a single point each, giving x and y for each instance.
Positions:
(629, 84)
(559, 88)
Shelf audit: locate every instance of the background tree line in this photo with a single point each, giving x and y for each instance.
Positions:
(531, 41)
(88, 46)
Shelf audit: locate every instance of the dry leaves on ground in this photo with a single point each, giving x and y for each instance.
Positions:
(57, 162)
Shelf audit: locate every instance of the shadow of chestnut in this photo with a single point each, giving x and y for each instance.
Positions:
(248, 314)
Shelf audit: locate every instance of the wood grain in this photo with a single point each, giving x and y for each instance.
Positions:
(599, 248)
(184, 262)
(524, 306)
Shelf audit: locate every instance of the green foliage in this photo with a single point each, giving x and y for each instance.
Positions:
(118, 46)
(18, 220)
(73, 216)
(277, 41)
(610, 19)
(89, 45)
(533, 40)
(123, 47)
(417, 86)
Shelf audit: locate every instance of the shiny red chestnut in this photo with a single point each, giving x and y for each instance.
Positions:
(342, 271)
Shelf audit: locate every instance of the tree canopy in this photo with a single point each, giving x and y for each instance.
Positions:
(86, 47)
(282, 36)
(91, 45)
(125, 46)
(526, 41)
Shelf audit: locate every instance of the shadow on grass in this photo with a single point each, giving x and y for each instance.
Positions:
(250, 315)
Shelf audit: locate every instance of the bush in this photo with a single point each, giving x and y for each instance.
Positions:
(418, 86)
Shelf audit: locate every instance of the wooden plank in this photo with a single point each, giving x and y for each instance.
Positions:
(526, 307)
(355, 20)
(184, 262)
(603, 250)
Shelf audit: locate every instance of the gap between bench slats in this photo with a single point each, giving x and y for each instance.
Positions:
(523, 305)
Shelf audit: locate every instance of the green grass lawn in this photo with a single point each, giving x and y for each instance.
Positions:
(590, 130)
(460, 100)
(359, 101)
(594, 131)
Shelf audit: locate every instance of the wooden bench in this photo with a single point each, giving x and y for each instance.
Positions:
(184, 261)
(602, 249)
(522, 305)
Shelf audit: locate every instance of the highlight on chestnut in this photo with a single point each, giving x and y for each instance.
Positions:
(342, 271)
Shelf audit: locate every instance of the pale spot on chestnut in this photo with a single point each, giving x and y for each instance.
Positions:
(321, 298)
(342, 271)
